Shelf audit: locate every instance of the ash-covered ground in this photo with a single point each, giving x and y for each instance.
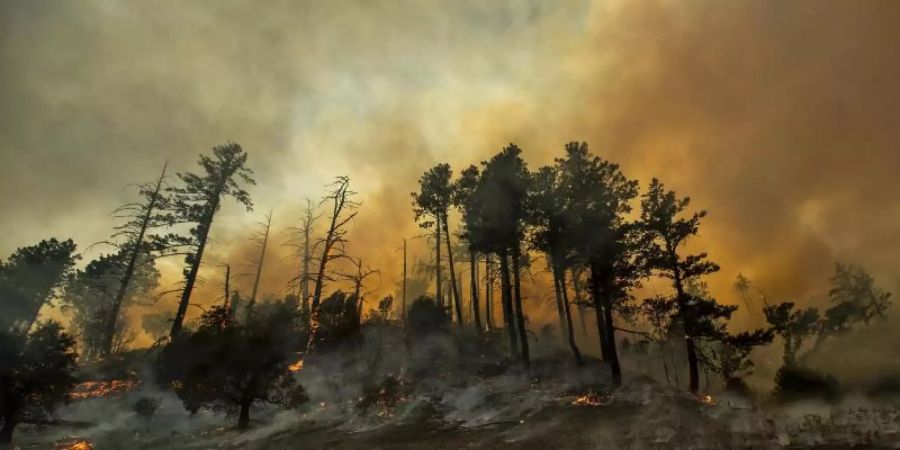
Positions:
(544, 407)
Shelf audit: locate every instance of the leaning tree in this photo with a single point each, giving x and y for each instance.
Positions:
(224, 174)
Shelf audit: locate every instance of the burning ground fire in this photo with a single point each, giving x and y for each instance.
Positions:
(73, 444)
(589, 399)
(97, 389)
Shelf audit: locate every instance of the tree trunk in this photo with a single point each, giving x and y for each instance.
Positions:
(693, 367)
(506, 299)
(614, 366)
(694, 385)
(520, 313)
(437, 262)
(568, 314)
(404, 283)
(579, 298)
(476, 314)
(195, 267)
(560, 310)
(259, 265)
(598, 314)
(113, 318)
(6, 433)
(244, 418)
(489, 291)
(454, 290)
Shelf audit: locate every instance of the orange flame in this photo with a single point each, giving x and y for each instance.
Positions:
(74, 444)
(97, 389)
(588, 399)
(296, 367)
(706, 399)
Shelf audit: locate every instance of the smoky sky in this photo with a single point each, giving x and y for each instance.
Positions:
(780, 118)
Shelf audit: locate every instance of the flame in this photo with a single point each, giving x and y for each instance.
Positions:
(74, 444)
(706, 399)
(296, 367)
(588, 399)
(97, 389)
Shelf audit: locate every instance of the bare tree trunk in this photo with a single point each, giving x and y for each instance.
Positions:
(6, 433)
(506, 299)
(579, 300)
(489, 291)
(113, 318)
(454, 290)
(598, 313)
(437, 262)
(568, 313)
(244, 418)
(520, 313)
(227, 296)
(195, 267)
(404, 281)
(307, 227)
(557, 291)
(473, 265)
(614, 365)
(259, 265)
(693, 363)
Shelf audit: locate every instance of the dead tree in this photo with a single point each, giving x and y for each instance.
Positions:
(141, 217)
(343, 210)
(263, 243)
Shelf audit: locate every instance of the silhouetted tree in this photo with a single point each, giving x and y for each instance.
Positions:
(854, 288)
(30, 278)
(198, 200)
(36, 375)
(665, 231)
(138, 248)
(432, 203)
(229, 365)
(496, 224)
(463, 191)
(599, 198)
(93, 294)
(425, 317)
(548, 217)
(793, 326)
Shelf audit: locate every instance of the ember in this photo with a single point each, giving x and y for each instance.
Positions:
(706, 399)
(296, 367)
(96, 389)
(73, 444)
(588, 399)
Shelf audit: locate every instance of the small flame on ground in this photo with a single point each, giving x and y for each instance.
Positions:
(96, 389)
(706, 399)
(74, 444)
(296, 367)
(588, 399)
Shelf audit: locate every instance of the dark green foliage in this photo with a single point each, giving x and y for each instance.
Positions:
(91, 294)
(426, 317)
(36, 375)
(798, 382)
(339, 322)
(794, 326)
(228, 365)
(729, 357)
(30, 278)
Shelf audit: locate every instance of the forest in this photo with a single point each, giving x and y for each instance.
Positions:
(329, 354)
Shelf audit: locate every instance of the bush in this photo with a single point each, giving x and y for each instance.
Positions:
(797, 382)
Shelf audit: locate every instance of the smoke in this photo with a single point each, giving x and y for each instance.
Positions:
(776, 117)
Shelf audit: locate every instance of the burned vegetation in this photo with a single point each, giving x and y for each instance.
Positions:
(469, 353)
